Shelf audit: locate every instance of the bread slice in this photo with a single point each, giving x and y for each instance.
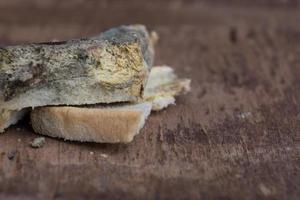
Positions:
(105, 124)
(110, 124)
(111, 67)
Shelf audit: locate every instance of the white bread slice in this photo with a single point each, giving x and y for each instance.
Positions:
(110, 124)
(105, 124)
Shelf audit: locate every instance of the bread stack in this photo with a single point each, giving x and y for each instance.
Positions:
(99, 89)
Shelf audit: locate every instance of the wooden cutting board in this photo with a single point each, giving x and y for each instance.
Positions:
(235, 136)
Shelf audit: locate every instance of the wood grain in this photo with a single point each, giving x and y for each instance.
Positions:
(235, 136)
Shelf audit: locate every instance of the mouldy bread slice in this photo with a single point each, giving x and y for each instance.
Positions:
(103, 124)
(111, 67)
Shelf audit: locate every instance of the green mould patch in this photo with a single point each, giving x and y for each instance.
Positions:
(5, 57)
(22, 83)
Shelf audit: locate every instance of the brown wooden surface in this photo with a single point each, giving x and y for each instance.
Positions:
(235, 136)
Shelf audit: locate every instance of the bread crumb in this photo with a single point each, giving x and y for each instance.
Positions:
(38, 142)
(19, 139)
(91, 153)
(103, 155)
(18, 129)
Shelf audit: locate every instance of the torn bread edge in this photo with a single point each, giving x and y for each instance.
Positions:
(110, 124)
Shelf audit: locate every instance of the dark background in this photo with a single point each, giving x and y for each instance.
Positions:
(235, 136)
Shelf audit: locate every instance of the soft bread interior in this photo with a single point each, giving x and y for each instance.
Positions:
(162, 87)
(103, 124)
